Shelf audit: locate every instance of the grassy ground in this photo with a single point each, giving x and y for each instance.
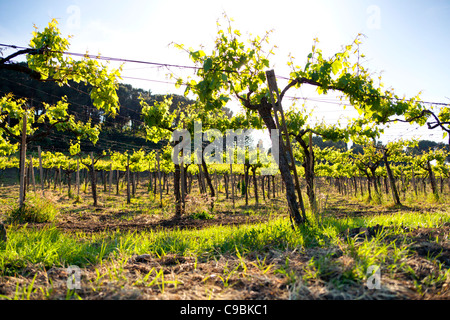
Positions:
(353, 249)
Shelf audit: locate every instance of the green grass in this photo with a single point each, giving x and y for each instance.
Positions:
(34, 209)
(326, 257)
(50, 247)
(201, 215)
(378, 251)
(408, 219)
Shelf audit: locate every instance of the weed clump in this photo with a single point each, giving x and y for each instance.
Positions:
(34, 209)
(202, 215)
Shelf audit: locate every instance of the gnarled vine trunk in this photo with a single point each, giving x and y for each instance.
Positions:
(264, 111)
(255, 184)
(392, 181)
(208, 179)
(176, 186)
(308, 165)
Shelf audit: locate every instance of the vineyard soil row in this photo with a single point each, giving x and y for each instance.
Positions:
(141, 251)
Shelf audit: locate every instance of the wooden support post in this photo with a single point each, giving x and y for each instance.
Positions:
(60, 178)
(232, 183)
(413, 177)
(182, 177)
(94, 180)
(310, 152)
(41, 170)
(149, 186)
(77, 178)
(110, 178)
(159, 179)
(32, 174)
(128, 180)
(23, 152)
(27, 178)
(311, 178)
(117, 181)
(273, 88)
(273, 187)
(215, 182)
(201, 185)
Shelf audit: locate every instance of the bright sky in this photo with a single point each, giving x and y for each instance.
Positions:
(408, 41)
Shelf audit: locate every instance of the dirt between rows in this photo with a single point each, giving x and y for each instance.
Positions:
(227, 277)
(425, 242)
(146, 277)
(92, 222)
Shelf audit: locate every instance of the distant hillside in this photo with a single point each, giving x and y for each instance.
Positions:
(119, 133)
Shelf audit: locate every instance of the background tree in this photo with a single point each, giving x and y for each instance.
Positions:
(46, 61)
(160, 124)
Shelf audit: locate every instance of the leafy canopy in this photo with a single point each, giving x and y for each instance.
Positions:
(47, 57)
